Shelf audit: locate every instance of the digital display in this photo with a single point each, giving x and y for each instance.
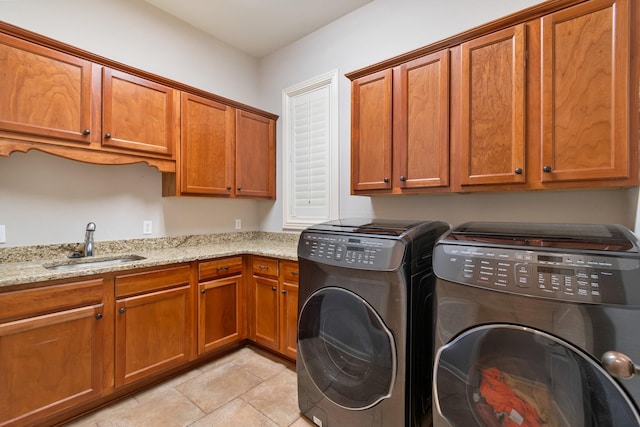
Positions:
(354, 240)
(549, 258)
(554, 270)
(355, 248)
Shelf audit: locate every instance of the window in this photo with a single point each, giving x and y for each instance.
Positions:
(310, 140)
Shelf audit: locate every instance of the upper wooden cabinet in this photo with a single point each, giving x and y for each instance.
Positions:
(46, 93)
(207, 147)
(255, 156)
(225, 152)
(490, 146)
(585, 94)
(371, 132)
(138, 114)
(54, 102)
(400, 127)
(78, 105)
(542, 99)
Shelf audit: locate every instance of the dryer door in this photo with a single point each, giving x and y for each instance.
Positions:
(346, 348)
(511, 375)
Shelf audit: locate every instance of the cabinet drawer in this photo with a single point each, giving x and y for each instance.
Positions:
(219, 268)
(30, 302)
(290, 271)
(265, 266)
(137, 283)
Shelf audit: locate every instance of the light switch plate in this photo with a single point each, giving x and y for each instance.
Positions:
(238, 224)
(3, 234)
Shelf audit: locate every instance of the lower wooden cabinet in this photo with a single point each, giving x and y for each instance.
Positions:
(68, 345)
(52, 350)
(221, 303)
(154, 323)
(289, 308)
(275, 305)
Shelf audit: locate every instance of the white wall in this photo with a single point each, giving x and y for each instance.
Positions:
(386, 28)
(45, 199)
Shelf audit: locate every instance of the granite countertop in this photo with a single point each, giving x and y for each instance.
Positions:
(26, 264)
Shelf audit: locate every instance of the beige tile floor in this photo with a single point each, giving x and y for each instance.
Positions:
(245, 388)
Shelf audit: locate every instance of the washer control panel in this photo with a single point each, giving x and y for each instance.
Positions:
(351, 251)
(572, 277)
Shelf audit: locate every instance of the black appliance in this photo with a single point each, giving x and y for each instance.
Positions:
(365, 308)
(536, 324)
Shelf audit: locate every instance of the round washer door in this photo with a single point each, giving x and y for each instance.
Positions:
(346, 348)
(505, 374)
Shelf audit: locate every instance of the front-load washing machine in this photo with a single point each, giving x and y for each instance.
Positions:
(365, 307)
(537, 325)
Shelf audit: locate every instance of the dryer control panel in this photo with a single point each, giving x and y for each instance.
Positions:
(557, 275)
(352, 251)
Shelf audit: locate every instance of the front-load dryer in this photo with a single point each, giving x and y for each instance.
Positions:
(537, 325)
(365, 308)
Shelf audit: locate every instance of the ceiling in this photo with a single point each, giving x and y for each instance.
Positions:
(258, 27)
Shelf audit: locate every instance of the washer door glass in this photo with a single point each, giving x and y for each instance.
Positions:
(346, 348)
(496, 375)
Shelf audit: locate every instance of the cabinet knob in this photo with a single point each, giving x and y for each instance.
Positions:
(121, 310)
(99, 316)
(239, 188)
(284, 291)
(228, 188)
(518, 171)
(273, 288)
(224, 267)
(107, 136)
(203, 291)
(295, 273)
(86, 132)
(386, 179)
(546, 169)
(263, 267)
(403, 178)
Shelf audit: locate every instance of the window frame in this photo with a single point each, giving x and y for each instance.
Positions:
(289, 220)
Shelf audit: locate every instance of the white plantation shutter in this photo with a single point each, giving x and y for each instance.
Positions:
(310, 146)
(311, 154)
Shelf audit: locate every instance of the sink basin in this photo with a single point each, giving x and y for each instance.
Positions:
(91, 262)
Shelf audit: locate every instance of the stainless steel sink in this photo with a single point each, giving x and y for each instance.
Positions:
(91, 262)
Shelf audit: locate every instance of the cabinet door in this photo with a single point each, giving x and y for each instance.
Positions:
(207, 146)
(421, 122)
(492, 107)
(220, 313)
(49, 363)
(45, 92)
(371, 132)
(138, 114)
(585, 96)
(289, 309)
(255, 156)
(153, 333)
(265, 312)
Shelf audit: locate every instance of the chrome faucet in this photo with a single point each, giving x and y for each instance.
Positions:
(88, 240)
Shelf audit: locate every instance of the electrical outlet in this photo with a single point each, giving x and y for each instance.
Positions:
(238, 224)
(147, 227)
(3, 234)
